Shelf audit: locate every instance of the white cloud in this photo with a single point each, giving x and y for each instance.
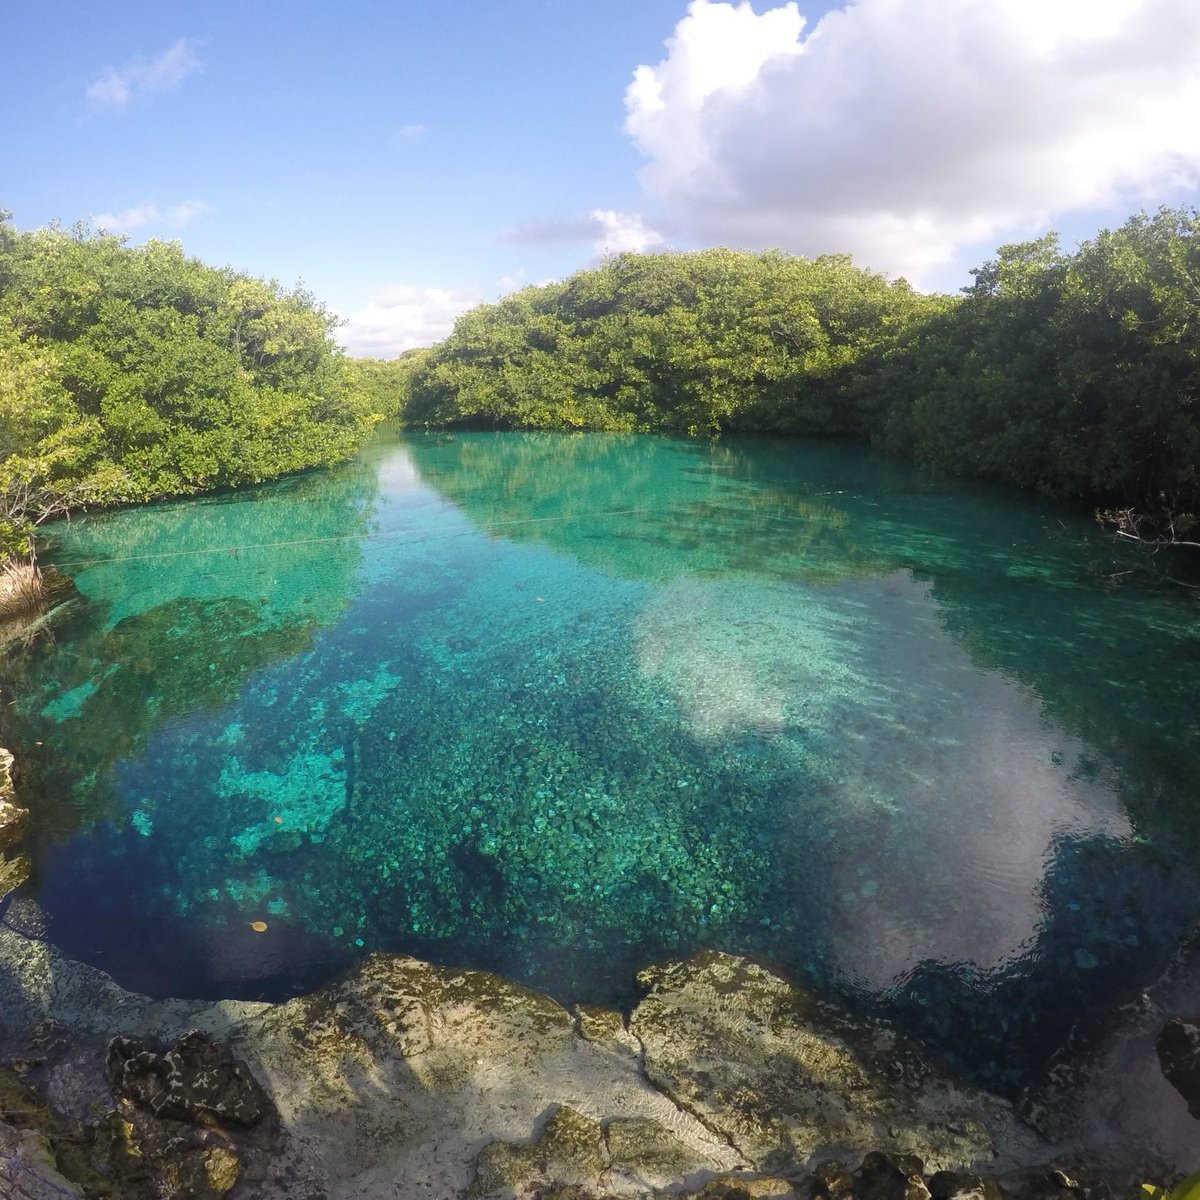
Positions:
(608, 231)
(904, 130)
(401, 317)
(407, 134)
(176, 216)
(117, 86)
(618, 232)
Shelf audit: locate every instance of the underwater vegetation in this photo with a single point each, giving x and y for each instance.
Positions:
(558, 705)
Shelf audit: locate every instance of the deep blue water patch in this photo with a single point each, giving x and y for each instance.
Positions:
(558, 706)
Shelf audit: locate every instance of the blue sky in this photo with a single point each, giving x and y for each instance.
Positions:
(406, 159)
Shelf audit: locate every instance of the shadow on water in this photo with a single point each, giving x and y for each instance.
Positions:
(558, 706)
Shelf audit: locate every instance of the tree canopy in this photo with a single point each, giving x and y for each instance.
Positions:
(1074, 374)
(692, 342)
(134, 373)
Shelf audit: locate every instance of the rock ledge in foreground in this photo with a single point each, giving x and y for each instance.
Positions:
(405, 1078)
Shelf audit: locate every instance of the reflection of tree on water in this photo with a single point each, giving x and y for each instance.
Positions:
(676, 507)
(1025, 593)
(176, 615)
(1019, 924)
(788, 701)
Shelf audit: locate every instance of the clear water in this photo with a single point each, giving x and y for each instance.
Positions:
(561, 705)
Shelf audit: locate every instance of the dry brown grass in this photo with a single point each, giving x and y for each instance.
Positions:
(22, 588)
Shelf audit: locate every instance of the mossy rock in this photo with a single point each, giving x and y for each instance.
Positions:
(13, 873)
(21, 1106)
(568, 1152)
(647, 1149)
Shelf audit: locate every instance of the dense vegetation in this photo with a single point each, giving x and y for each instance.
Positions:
(133, 373)
(702, 342)
(1076, 374)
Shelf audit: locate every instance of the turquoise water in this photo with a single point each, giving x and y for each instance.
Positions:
(558, 705)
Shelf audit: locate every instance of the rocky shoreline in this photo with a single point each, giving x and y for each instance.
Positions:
(408, 1079)
(405, 1078)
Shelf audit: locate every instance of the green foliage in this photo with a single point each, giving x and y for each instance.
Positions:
(1078, 375)
(386, 384)
(131, 374)
(698, 342)
(1074, 374)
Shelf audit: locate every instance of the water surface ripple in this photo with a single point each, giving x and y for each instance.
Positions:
(558, 705)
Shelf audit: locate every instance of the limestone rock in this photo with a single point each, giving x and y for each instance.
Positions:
(195, 1079)
(962, 1185)
(569, 1152)
(1054, 1183)
(891, 1177)
(145, 1158)
(1178, 1048)
(646, 1151)
(108, 1153)
(405, 1078)
(21, 1106)
(28, 1170)
(786, 1076)
(739, 1187)
(12, 816)
(392, 1080)
(605, 1027)
(13, 873)
(832, 1180)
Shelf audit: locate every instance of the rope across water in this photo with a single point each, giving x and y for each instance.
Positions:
(411, 535)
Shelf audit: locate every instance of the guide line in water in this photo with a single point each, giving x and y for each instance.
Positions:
(414, 536)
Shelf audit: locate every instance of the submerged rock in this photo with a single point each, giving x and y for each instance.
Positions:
(1105, 1094)
(1178, 1049)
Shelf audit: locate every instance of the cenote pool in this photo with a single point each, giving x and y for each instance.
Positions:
(560, 705)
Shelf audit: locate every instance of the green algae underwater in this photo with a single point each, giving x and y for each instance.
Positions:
(558, 705)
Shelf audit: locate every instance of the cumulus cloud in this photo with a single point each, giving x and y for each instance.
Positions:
(608, 231)
(904, 130)
(618, 232)
(118, 86)
(175, 216)
(402, 317)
